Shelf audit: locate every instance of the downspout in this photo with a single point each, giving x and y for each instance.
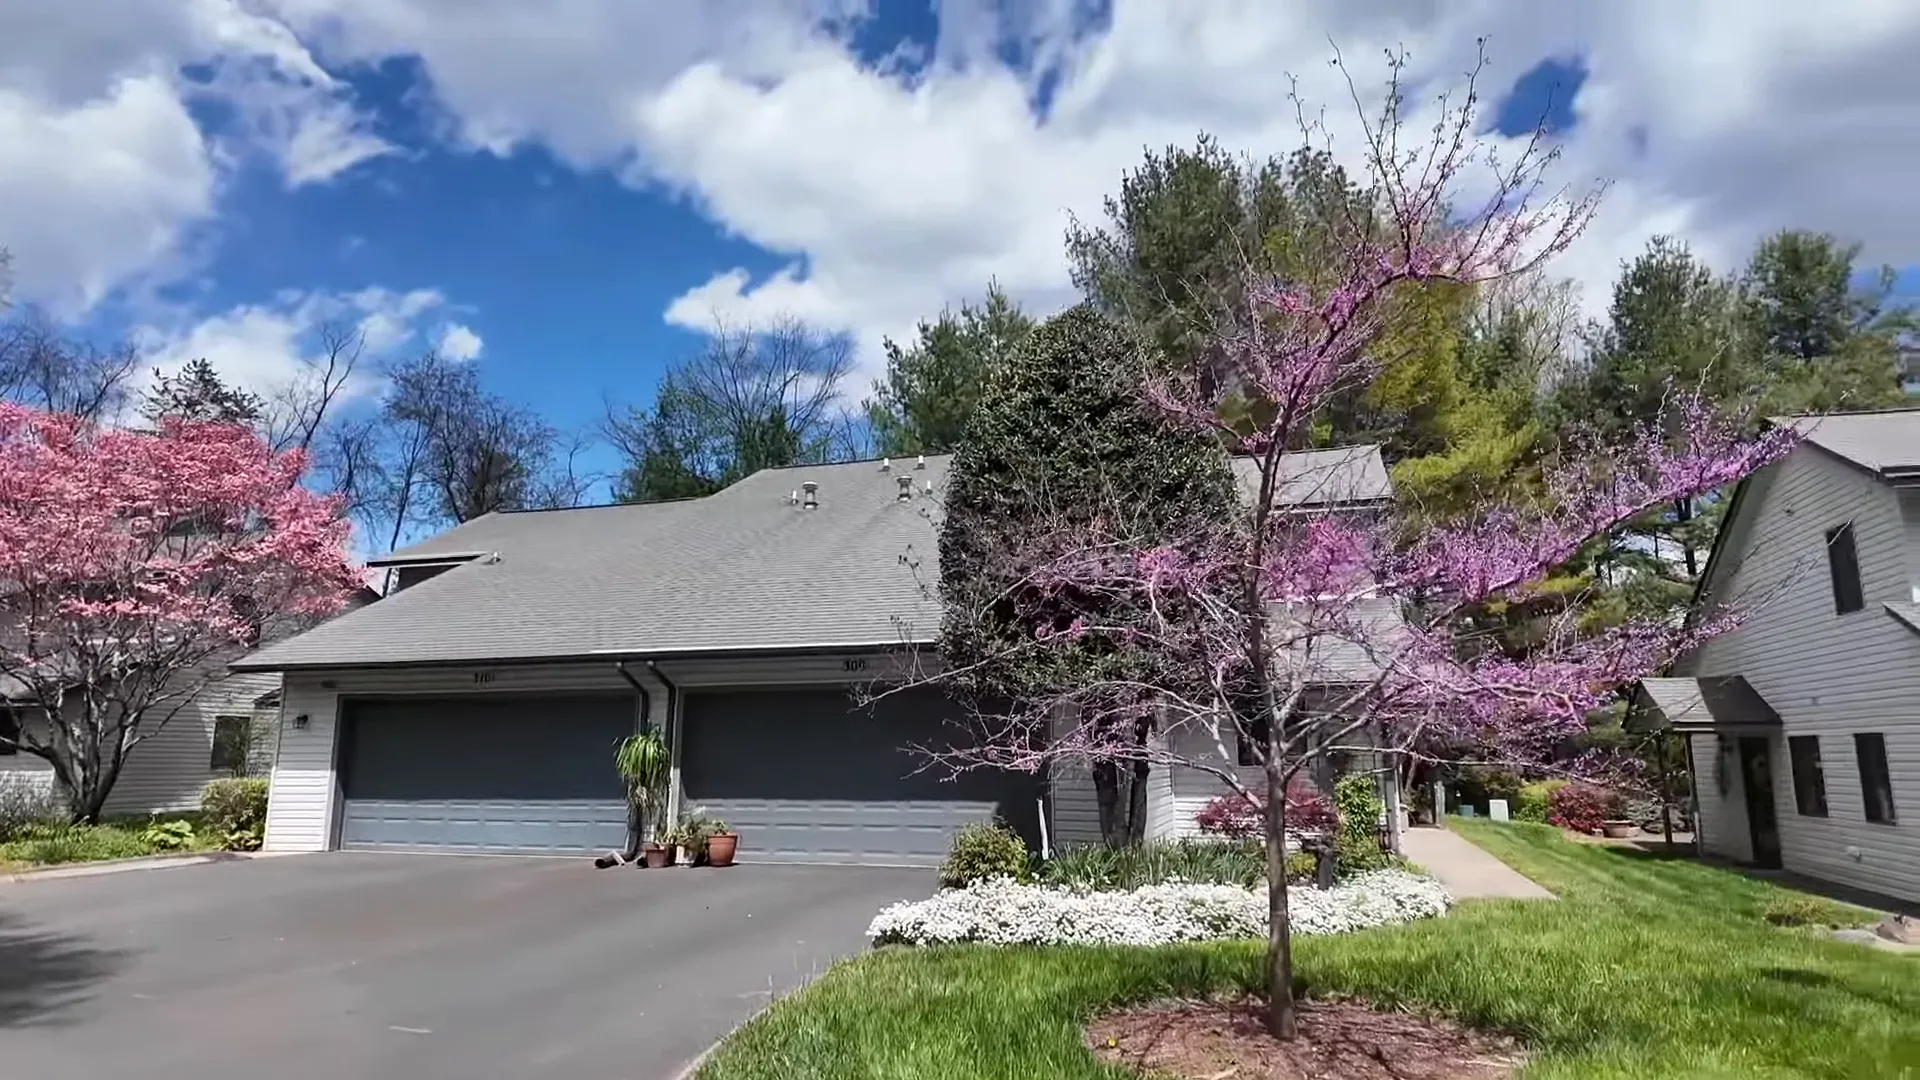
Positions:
(636, 828)
(673, 739)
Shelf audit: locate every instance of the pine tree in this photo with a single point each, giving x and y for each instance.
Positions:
(923, 403)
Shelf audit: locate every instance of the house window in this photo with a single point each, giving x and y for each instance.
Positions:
(1876, 787)
(232, 740)
(1843, 563)
(1809, 782)
(9, 732)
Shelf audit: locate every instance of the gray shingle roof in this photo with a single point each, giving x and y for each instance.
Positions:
(1347, 474)
(1687, 705)
(1886, 442)
(742, 570)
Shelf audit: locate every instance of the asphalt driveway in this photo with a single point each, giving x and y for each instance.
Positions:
(366, 965)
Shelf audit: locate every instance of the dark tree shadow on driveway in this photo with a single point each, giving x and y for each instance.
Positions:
(45, 973)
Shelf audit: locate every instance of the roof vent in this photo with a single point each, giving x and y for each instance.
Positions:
(810, 499)
(906, 487)
(886, 464)
(928, 490)
(922, 463)
(793, 497)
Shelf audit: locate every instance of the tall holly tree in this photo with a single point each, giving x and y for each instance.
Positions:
(1301, 632)
(1063, 428)
(133, 566)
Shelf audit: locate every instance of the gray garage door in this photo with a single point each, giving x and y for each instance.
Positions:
(526, 773)
(805, 776)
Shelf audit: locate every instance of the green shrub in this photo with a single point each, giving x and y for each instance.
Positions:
(175, 835)
(1534, 800)
(984, 851)
(1357, 845)
(235, 811)
(49, 844)
(1798, 909)
(1206, 862)
(27, 800)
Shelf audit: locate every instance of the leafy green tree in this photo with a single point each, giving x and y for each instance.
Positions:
(196, 392)
(1061, 439)
(923, 403)
(1819, 342)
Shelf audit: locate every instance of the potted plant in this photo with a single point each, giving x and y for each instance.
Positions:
(1618, 828)
(643, 763)
(722, 842)
(689, 838)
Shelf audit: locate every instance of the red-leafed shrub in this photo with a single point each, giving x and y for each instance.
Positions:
(1308, 810)
(1582, 807)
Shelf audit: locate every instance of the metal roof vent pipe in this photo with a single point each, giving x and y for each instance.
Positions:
(886, 464)
(922, 463)
(809, 498)
(906, 487)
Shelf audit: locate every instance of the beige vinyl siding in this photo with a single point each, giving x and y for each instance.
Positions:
(303, 804)
(1826, 674)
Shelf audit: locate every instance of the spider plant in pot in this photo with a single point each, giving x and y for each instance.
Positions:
(642, 762)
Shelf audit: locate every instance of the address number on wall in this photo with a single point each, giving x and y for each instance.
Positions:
(854, 663)
(482, 678)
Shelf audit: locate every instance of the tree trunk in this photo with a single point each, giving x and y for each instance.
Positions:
(1137, 804)
(1106, 793)
(1282, 1022)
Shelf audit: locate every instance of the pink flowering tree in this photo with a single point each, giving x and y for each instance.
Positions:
(133, 567)
(1310, 626)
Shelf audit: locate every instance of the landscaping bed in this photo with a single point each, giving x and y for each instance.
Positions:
(1647, 968)
(1001, 911)
(1346, 1039)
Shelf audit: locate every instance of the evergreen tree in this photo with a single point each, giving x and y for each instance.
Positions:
(930, 389)
(196, 392)
(1061, 439)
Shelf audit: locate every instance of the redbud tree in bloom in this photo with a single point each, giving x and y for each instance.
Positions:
(1309, 626)
(134, 565)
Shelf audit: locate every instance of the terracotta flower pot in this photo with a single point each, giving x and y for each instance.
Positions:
(657, 857)
(1619, 830)
(720, 849)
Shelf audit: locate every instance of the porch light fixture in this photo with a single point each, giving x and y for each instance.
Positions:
(301, 721)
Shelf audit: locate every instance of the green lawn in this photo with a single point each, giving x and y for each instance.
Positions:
(1646, 968)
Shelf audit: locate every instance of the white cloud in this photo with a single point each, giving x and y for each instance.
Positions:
(104, 173)
(896, 192)
(265, 347)
(459, 342)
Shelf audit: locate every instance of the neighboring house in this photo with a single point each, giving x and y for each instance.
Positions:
(228, 728)
(476, 707)
(1803, 725)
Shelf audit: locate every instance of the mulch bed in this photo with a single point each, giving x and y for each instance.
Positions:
(1339, 1040)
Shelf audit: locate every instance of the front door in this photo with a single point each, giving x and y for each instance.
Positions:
(1756, 774)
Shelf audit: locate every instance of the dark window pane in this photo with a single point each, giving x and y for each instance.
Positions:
(9, 731)
(232, 738)
(1876, 787)
(1809, 781)
(1844, 565)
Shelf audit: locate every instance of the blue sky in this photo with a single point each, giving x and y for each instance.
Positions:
(580, 188)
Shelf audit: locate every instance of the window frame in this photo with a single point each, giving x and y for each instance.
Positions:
(1810, 786)
(1871, 795)
(1837, 583)
(214, 761)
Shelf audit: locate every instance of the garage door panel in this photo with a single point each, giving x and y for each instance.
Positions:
(809, 776)
(495, 773)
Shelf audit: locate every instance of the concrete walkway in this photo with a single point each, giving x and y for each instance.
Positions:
(1468, 872)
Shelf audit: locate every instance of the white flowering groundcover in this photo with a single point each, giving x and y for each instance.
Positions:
(1003, 912)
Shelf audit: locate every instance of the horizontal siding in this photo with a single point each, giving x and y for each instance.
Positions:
(303, 808)
(1826, 674)
(1723, 820)
(166, 771)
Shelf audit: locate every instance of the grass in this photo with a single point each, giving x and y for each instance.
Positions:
(53, 845)
(1645, 968)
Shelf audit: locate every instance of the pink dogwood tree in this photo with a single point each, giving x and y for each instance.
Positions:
(133, 566)
(1307, 627)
